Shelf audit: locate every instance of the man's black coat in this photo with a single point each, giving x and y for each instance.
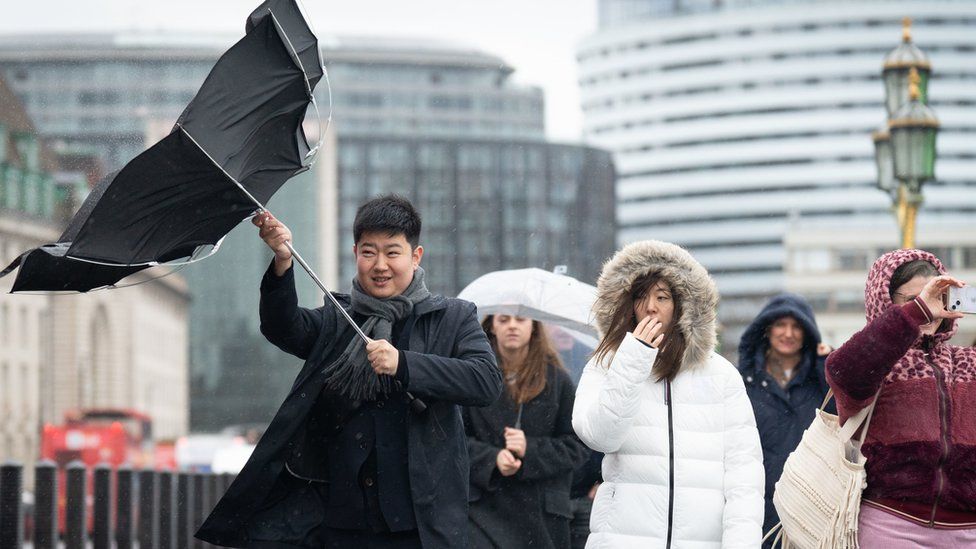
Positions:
(449, 364)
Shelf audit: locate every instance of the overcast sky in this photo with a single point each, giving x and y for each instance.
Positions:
(537, 37)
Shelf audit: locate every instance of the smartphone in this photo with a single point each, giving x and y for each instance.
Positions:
(962, 300)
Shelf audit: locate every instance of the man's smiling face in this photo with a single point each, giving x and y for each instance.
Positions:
(385, 263)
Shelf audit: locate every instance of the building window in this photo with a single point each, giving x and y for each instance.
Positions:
(811, 261)
(849, 301)
(5, 389)
(969, 257)
(24, 331)
(944, 254)
(820, 302)
(852, 260)
(26, 393)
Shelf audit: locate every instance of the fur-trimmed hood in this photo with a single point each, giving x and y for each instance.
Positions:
(689, 282)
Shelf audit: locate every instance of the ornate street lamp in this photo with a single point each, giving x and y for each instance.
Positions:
(904, 150)
(913, 129)
(898, 65)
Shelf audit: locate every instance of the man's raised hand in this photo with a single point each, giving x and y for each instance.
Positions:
(275, 234)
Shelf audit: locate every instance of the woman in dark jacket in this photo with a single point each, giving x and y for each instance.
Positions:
(522, 448)
(781, 364)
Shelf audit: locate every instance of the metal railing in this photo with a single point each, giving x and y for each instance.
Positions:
(130, 508)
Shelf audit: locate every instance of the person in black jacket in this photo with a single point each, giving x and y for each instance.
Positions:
(523, 448)
(781, 359)
(368, 448)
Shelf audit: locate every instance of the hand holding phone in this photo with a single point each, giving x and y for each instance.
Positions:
(962, 300)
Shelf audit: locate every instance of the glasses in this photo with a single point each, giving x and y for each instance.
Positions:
(904, 298)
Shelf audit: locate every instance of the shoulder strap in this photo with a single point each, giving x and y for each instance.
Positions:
(854, 422)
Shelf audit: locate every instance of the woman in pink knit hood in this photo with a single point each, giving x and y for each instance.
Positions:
(921, 444)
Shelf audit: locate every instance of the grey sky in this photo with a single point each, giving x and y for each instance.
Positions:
(538, 37)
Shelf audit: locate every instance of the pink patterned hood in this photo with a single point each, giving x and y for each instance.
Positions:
(877, 299)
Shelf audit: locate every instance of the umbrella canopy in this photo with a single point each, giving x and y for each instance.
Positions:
(237, 142)
(537, 294)
(47, 269)
(238, 134)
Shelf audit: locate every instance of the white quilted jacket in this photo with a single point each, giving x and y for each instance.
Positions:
(718, 472)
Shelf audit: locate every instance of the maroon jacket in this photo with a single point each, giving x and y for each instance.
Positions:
(921, 444)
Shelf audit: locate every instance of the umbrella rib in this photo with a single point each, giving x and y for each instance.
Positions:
(284, 35)
(221, 168)
(328, 83)
(308, 85)
(297, 256)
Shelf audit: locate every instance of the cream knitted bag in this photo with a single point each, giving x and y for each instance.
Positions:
(818, 497)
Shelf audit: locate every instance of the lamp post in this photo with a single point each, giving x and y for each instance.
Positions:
(904, 148)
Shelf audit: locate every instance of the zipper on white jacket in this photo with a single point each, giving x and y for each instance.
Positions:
(668, 402)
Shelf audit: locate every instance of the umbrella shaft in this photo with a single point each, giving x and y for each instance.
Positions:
(418, 406)
(325, 290)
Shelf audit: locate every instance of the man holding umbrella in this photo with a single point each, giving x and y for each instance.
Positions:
(368, 448)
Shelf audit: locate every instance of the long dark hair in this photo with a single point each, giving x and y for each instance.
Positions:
(623, 320)
(528, 378)
(906, 272)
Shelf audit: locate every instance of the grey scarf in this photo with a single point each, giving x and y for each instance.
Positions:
(351, 374)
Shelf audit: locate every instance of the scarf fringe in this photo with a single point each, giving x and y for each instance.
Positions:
(351, 375)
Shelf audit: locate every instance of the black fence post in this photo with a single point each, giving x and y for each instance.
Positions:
(167, 518)
(102, 533)
(226, 480)
(75, 512)
(148, 498)
(184, 509)
(213, 484)
(11, 505)
(123, 507)
(45, 505)
(201, 505)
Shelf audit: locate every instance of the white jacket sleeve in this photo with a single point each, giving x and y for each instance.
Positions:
(607, 399)
(744, 475)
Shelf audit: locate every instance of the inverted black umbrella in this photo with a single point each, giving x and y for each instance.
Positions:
(235, 144)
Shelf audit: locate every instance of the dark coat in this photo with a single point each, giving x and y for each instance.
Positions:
(781, 414)
(449, 364)
(530, 508)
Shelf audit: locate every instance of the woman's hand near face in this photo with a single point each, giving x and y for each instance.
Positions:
(934, 291)
(649, 330)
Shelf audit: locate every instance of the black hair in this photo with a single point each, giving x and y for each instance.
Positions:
(908, 271)
(391, 214)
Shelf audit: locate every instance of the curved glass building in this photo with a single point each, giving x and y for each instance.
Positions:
(729, 119)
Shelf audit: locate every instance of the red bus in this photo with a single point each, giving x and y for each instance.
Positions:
(95, 436)
(100, 435)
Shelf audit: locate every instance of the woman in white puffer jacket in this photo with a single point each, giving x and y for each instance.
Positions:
(683, 465)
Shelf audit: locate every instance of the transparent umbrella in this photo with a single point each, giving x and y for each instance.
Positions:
(536, 294)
